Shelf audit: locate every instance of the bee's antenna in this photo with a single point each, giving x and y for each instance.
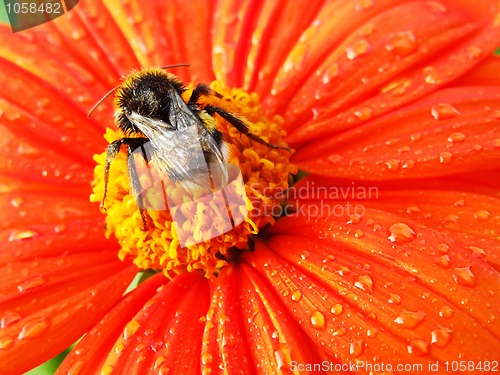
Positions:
(175, 66)
(101, 100)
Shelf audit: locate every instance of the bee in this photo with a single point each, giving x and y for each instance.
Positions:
(182, 138)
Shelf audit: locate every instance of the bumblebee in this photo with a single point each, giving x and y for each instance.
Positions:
(182, 138)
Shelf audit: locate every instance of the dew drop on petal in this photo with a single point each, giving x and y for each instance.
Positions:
(31, 283)
(6, 342)
(445, 157)
(130, 329)
(395, 299)
(9, 318)
(357, 49)
(482, 215)
(356, 348)
(464, 276)
(410, 319)
(206, 358)
(441, 336)
(474, 52)
(363, 5)
(335, 158)
(431, 76)
(392, 165)
(76, 368)
(456, 137)
(444, 111)
(446, 312)
(402, 43)
(496, 143)
(33, 328)
(443, 261)
(401, 233)
(364, 114)
(296, 295)
(337, 309)
(317, 320)
(418, 347)
(364, 283)
(330, 73)
(477, 251)
(22, 234)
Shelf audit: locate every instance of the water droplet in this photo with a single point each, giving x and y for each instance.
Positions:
(459, 203)
(206, 358)
(296, 295)
(456, 137)
(6, 342)
(331, 72)
(76, 368)
(413, 209)
(356, 348)
(402, 43)
(24, 234)
(33, 328)
(337, 309)
(431, 76)
(401, 233)
(335, 158)
(474, 52)
(363, 5)
(16, 202)
(477, 251)
(340, 332)
(418, 347)
(392, 165)
(496, 143)
(364, 114)
(317, 320)
(357, 49)
(364, 283)
(354, 219)
(9, 318)
(107, 370)
(445, 157)
(31, 283)
(372, 332)
(442, 261)
(437, 7)
(441, 336)
(359, 234)
(482, 215)
(446, 312)
(410, 319)
(443, 111)
(395, 299)
(464, 276)
(130, 329)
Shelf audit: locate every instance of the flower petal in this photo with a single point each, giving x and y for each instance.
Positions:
(445, 133)
(359, 60)
(248, 329)
(55, 300)
(484, 74)
(167, 333)
(368, 289)
(88, 356)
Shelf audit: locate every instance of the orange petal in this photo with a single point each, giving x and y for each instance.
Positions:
(450, 131)
(166, 335)
(55, 300)
(88, 356)
(484, 74)
(359, 60)
(248, 329)
(374, 288)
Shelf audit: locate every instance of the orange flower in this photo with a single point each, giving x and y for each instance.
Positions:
(391, 254)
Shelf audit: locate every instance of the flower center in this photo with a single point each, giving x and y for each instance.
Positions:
(218, 227)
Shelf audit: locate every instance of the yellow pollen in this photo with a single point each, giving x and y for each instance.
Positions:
(155, 244)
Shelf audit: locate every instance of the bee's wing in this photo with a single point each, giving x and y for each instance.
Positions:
(177, 152)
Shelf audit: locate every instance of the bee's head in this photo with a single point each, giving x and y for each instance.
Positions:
(147, 93)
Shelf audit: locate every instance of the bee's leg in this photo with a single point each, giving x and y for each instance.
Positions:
(239, 124)
(199, 90)
(135, 183)
(111, 153)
